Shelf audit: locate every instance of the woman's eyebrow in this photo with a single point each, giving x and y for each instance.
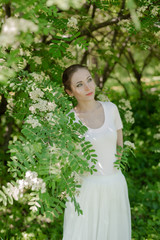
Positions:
(78, 82)
(81, 81)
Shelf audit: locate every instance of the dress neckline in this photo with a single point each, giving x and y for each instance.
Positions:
(94, 129)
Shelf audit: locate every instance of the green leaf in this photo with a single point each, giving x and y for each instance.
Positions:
(37, 147)
(94, 155)
(55, 213)
(4, 198)
(59, 209)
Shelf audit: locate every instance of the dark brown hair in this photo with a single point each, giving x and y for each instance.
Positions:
(67, 75)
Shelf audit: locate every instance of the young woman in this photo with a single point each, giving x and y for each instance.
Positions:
(104, 195)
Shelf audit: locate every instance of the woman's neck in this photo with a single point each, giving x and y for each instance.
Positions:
(86, 107)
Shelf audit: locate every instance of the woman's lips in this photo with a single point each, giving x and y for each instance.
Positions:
(88, 94)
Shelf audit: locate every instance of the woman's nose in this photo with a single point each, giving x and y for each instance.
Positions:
(87, 87)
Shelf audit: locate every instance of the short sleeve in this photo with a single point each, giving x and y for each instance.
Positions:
(118, 121)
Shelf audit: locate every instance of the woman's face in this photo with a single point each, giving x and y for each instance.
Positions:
(82, 85)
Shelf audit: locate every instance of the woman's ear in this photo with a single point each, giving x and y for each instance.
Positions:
(69, 92)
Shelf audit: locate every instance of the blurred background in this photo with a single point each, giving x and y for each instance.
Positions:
(119, 41)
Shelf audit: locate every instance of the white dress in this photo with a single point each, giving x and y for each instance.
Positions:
(104, 195)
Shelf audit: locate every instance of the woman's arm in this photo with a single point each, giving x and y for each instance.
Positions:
(119, 140)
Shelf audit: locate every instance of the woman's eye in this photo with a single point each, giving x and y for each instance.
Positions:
(79, 85)
(90, 79)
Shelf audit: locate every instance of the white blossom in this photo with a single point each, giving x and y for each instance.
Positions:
(103, 97)
(10, 103)
(130, 144)
(21, 184)
(125, 104)
(157, 34)
(12, 28)
(14, 25)
(141, 10)
(27, 53)
(32, 109)
(33, 202)
(34, 182)
(43, 218)
(37, 204)
(65, 4)
(128, 117)
(31, 175)
(14, 191)
(35, 94)
(31, 181)
(27, 236)
(34, 208)
(39, 77)
(42, 105)
(156, 136)
(49, 117)
(64, 194)
(154, 11)
(72, 22)
(61, 4)
(37, 60)
(51, 106)
(157, 150)
(33, 121)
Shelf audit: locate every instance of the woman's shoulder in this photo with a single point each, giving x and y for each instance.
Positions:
(109, 104)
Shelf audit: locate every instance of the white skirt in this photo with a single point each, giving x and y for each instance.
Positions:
(106, 210)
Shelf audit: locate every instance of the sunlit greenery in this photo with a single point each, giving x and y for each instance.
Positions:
(119, 41)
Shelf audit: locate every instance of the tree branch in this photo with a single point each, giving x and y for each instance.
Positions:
(137, 73)
(122, 8)
(107, 70)
(122, 84)
(114, 38)
(147, 60)
(128, 74)
(84, 58)
(7, 8)
(104, 24)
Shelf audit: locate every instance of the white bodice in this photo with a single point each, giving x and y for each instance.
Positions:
(104, 139)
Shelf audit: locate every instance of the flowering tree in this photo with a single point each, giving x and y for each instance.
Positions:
(38, 40)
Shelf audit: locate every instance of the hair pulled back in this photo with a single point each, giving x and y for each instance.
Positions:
(67, 75)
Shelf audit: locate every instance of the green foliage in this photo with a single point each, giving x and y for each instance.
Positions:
(50, 149)
(113, 39)
(122, 162)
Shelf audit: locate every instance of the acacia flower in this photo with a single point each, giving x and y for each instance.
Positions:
(35, 94)
(72, 22)
(130, 144)
(33, 121)
(154, 11)
(128, 117)
(12, 27)
(126, 104)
